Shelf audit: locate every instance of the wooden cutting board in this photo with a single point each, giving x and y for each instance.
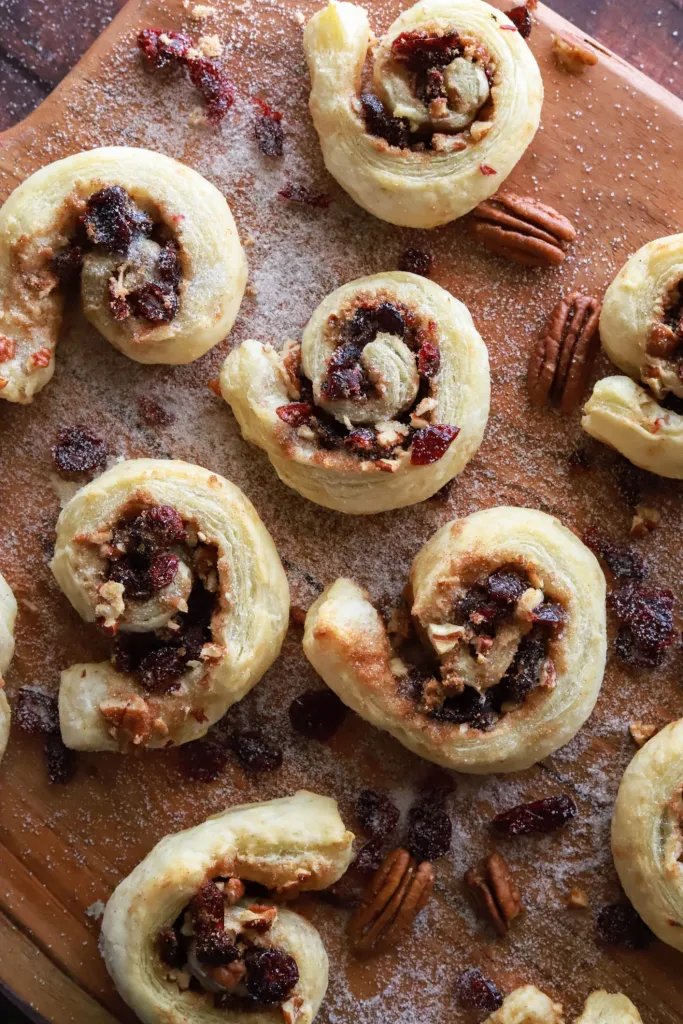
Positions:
(608, 155)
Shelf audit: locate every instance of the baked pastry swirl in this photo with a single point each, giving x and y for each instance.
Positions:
(647, 834)
(528, 1005)
(8, 614)
(497, 658)
(641, 330)
(457, 99)
(161, 268)
(385, 400)
(182, 914)
(174, 562)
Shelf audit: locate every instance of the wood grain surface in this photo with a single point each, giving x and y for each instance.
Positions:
(609, 156)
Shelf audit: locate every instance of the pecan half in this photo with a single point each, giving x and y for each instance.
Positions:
(391, 902)
(522, 229)
(571, 55)
(561, 361)
(495, 892)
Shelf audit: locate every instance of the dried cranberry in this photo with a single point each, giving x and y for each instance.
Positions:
(431, 443)
(538, 816)
(207, 909)
(618, 924)
(214, 949)
(377, 814)
(521, 19)
(271, 975)
(342, 384)
(168, 264)
(476, 992)
(317, 714)
(420, 51)
(112, 220)
(389, 319)
(647, 618)
(524, 672)
(506, 587)
(428, 360)
(363, 442)
(129, 650)
(61, 762)
(296, 193)
(204, 760)
(579, 460)
(369, 857)
(36, 711)
(429, 831)
(160, 671)
(469, 708)
(255, 752)
(77, 451)
(67, 263)
(215, 87)
(394, 130)
(154, 302)
(154, 528)
(329, 432)
(268, 130)
(162, 571)
(170, 948)
(296, 414)
(623, 562)
(362, 329)
(160, 53)
(152, 414)
(135, 580)
(415, 261)
(433, 87)
(549, 613)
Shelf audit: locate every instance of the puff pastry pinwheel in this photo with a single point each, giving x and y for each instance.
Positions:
(528, 1005)
(182, 916)
(457, 99)
(641, 329)
(161, 268)
(384, 401)
(498, 659)
(174, 562)
(8, 614)
(647, 834)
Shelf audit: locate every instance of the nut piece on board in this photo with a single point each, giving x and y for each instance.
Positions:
(522, 229)
(561, 360)
(390, 904)
(571, 55)
(495, 892)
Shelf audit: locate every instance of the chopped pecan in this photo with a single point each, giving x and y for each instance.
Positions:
(571, 55)
(495, 891)
(561, 360)
(522, 229)
(391, 902)
(644, 521)
(641, 732)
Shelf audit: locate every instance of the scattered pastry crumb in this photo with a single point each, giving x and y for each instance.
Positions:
(95, 910)
(577, 898)
(200, 12)
(299, 17)
(641, 732)
(197, 117)
(571, 56)
(210, 46)
(249, 241)
(251, 290)
(644, 521)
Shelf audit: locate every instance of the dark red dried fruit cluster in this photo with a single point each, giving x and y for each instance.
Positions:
(394, 130)
(428, 360)
(36, 712)
(205, 760)
(78, 451)
(271, 975)
(61, 762)
(112, 220)
(213, 946)
(296, 414)
(431, 443)
(647, 626)
(152, 414)
(255, 752)
(416, 261)
(369, 857)
(167, 49)
(155, 529)
(622, 561)
(268, 130)
(317, 714)
(377, 813)
(170, 948)
(429, 830)
(619, 924)
(476, 992)
(155, 301)
(539, 816)
(421, 51)
(297, 193)
(67, 264)
(521, 19)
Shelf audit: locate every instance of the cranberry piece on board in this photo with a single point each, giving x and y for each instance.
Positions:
(296, 414)
(538, 816)
(377, 814)
(297, 193)
(476, 992)
(204, 760)
(152, 414)
(36, 711)
(271, 975)
(61, 762)
(622, 561)
(369, 857)
(215, 87)
(647, 629)
(78, 451)
(162, 53)
(317, 714)
(431, 443)
(268, 130)
(429, 831)
(416, 261)
(255, 752)
(619, 924)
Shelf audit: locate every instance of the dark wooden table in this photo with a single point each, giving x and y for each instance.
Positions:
(40, 40)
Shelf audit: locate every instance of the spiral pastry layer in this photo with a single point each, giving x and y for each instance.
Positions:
(456, 100)
(154, 245)
(528, 1005)
(641, 330)
(8, 614)
(647, 834)
(498, 658)
(181, 914)
(385, 400)
(173, 561)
